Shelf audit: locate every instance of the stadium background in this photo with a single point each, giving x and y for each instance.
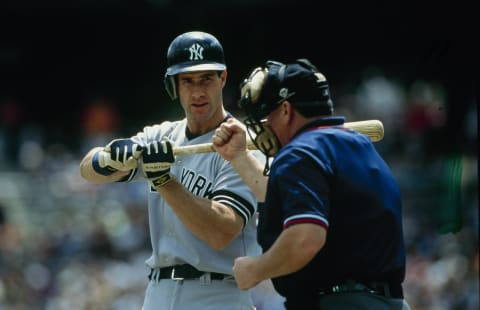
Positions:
(76, 74)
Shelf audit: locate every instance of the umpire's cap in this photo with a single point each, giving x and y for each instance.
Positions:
(299, 82)
(192, 51)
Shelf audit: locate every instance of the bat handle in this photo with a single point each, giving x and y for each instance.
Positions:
(193, 149)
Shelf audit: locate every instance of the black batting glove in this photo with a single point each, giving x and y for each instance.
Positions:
(157, 159)
(118, 155)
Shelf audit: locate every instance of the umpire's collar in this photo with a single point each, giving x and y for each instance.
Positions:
(322, 122)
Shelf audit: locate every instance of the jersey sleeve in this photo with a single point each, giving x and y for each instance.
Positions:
(302, 182)
(230, 190)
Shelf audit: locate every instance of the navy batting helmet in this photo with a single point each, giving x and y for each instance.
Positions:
(192, 51)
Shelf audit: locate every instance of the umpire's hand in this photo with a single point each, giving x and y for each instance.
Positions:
(230, 139)
(244, 271)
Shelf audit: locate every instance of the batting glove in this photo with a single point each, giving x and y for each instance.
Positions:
(157, 160)
(118, 155)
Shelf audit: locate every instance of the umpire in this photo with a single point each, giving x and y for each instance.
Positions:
(331, 223)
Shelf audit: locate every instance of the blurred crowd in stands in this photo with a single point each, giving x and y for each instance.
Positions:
(67, 244)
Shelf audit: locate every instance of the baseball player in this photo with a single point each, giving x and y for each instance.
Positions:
(331, 226)
(201, 213)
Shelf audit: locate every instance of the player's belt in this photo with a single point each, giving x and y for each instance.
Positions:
(380, 288)
(182, 272)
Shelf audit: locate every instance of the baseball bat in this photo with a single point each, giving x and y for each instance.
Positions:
(372, 128)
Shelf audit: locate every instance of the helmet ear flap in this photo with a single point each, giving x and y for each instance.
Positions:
(170, 86)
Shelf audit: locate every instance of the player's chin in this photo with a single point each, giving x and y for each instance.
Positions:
(200, 115)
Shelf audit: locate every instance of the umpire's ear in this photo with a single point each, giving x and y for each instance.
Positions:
(287, 112)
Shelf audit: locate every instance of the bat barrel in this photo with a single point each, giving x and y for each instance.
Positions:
(372, 128)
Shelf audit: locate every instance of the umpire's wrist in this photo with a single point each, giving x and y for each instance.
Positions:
(106, 171)
(239, 159)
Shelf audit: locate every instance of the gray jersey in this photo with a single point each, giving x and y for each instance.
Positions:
(207, 175)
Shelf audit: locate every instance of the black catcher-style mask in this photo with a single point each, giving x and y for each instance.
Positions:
(267, 87)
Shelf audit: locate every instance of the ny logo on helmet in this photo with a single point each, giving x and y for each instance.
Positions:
(196, 52)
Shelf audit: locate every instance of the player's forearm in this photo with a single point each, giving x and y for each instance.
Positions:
(89, 174)
(209, 220)
(251, 171)
(293, 250)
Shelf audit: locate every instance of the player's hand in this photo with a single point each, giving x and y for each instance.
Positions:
(157, 160)
(118, 155)
(230, 139)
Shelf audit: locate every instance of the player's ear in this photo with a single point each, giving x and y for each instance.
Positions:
(223, 77)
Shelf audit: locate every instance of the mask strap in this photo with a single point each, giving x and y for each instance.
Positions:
(266, 169)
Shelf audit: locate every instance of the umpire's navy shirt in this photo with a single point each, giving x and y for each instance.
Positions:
(335, 178)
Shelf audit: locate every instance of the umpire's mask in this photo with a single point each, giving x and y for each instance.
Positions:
(266, 88)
